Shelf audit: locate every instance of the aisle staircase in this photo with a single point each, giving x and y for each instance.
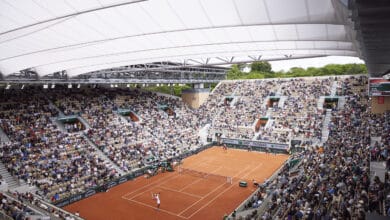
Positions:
(85, 122)
(3, 136)
(333, 89)
(234, 101)
(375, 139)
(51, 104)
(269, 112)
(320, 103)
(325, 127)
(59, 125)
(104, 156)
(341, 103)
(282, 100)
(203, 133)
(279, 91)
(12, 182)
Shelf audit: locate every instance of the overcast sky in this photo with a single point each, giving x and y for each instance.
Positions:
(313, 62)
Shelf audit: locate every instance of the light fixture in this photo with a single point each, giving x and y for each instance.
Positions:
(8, 86)
(112, 85)
(69, 86)
(53, 86)
(116, 85)
(45, 86)
(78, 86)
(22, 87)
(128, 85)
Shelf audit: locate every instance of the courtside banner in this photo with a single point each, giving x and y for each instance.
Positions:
(255, 143)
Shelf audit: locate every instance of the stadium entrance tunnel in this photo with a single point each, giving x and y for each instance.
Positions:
(228, 100)
(128, 114)
(167, 109)
(273, 101)
(261, 123)
(71, 124)
(331, 103)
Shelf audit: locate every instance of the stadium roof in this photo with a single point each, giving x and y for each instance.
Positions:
(372, 21)
(49, 36)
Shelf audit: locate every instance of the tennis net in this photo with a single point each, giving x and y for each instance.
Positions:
(209, 176)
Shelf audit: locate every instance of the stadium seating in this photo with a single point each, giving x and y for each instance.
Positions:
(58, 163)
(331, 179)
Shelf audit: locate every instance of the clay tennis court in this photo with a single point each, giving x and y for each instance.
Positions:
(188, 194)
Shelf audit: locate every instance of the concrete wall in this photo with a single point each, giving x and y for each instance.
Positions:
(195, 97)
(380, 108)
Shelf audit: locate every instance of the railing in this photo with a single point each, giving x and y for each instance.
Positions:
(293, 163)
(32, 212)
(114, 182)
(4, 216)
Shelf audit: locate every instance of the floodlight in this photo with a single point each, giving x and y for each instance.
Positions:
(22, 87)
(53, 86)
(45, 86)
(78, 86)
(8, 86)
(69, 86)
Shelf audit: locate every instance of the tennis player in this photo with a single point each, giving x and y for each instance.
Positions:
(156, 196)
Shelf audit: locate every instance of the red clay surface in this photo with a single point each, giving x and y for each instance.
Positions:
(184, 196)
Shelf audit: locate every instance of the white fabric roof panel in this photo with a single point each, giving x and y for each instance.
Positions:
(55, 35)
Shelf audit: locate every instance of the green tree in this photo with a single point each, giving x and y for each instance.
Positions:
(234, 72)
(261, 66)
(242, 66)
(330, 69)
(297, 71)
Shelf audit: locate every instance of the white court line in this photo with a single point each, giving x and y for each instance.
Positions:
(199, 179)
(173, 190)
(165, 178)
(158, 183)
(210, 193)
(150, 184)
(215, 197)
(160, 209)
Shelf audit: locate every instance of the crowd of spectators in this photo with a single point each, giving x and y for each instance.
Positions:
(297, 117)
(333, 181)
(13, 208)
(236, 120)
(159, 134)
(59, 164)
(26, 206)
(379, 129)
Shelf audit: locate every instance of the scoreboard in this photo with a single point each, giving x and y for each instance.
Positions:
(379, 87)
